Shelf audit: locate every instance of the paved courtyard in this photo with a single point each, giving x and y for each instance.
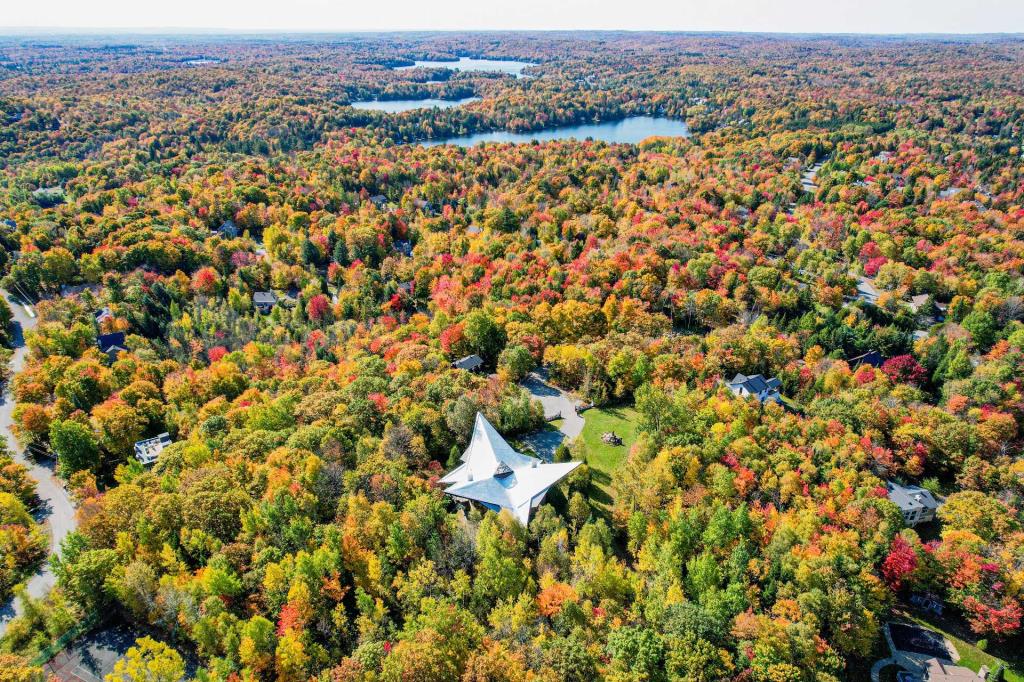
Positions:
(557, 405)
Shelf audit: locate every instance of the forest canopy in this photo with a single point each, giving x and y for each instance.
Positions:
(847, 220)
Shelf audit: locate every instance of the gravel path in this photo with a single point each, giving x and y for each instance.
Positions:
(56, 510)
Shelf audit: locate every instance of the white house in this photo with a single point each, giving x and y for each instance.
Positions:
(764, 390)
(498, 477)
(917, 504)
(146, 451)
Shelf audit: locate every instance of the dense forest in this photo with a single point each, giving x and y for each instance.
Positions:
(847, 217)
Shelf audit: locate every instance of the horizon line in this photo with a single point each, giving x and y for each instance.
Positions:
(17, 31)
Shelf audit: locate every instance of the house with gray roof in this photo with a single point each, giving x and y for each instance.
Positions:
(763, 389)
(496, 476)
(917, 504)
(228, 229)
(264, 301)
(146, 451)
(927, 309)
(77, 289)
(470, 363)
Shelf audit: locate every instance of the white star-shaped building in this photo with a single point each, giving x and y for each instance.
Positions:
(498, 477)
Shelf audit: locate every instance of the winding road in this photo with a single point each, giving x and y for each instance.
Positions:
(56, 509)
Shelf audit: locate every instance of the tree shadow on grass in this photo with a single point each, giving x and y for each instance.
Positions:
(600, 481)
(616, 411)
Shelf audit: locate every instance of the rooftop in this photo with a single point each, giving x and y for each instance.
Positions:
(264, 297)
(756, 385)
(872, 357)
(470, 362)
(106, 342)
(910, 497)
(495, 475)
(146, 451)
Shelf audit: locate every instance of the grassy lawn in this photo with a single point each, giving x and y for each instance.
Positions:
(604, 459)
(792, 405)
(971, 656)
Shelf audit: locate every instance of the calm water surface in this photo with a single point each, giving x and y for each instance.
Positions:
(468, 64)
(629, 130)
(399, 105)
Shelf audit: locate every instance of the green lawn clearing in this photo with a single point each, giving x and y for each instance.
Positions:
(602, 458)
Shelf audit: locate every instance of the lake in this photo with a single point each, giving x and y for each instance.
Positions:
(398, 105)
(469, 64)
(628, 130)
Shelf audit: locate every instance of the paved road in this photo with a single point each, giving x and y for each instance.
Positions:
(56, 510)
(876, 669)
(557, 403)
(809, 179)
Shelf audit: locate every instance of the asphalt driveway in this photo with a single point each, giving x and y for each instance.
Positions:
(56, 510)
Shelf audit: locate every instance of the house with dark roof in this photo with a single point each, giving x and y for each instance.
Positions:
(764, 390)
(228, 229)
(264, 301)
(916, 504)
(111, 344)
(872, 357)
(379, 200)
(470, 363)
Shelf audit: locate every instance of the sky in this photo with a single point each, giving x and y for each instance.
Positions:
(777, 16)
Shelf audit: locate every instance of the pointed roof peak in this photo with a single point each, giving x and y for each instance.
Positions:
(494, 474)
